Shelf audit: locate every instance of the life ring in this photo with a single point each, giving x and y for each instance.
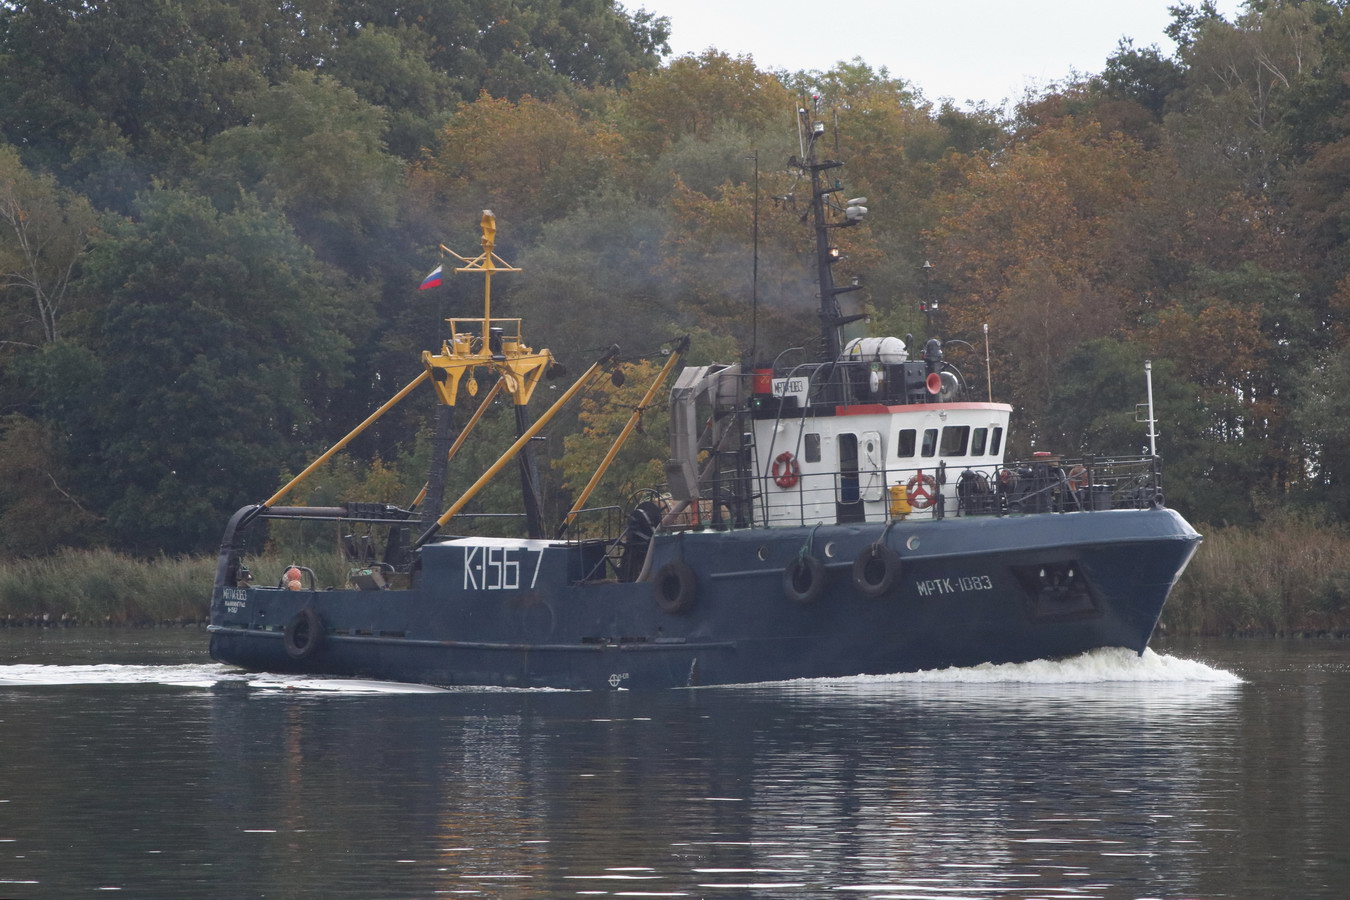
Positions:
(1078, 477)
(876, 570)
(676, 587)
(922, 491)
(786, 471)
(303, 635)
(804, 579)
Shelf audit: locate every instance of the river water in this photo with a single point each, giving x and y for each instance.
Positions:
(130, 763)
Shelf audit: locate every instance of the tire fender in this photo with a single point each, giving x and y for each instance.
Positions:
(676, 587)
(804, 579)
(876, 571)
(304, 634)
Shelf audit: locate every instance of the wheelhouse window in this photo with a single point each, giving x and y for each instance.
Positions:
(955, 439)
(978, 440)
(904, 444)
(930, 436)
(996, 442)
(811, 447)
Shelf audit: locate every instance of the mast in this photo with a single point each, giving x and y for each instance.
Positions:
(1152, 421)
(496, 346)
(832, 318)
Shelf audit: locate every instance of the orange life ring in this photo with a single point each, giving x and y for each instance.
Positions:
(786, 471)
(922, 491)
(1078, 477)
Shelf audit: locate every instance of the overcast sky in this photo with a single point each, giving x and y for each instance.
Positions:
(968, 50)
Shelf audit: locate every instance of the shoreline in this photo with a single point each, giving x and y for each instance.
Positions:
(1230, 589)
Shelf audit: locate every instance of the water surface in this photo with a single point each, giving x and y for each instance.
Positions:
(133, 764)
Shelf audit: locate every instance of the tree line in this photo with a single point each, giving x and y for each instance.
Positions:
(214, 216)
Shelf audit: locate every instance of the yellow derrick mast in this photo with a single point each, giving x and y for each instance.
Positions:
(485, 342)
(497, 346)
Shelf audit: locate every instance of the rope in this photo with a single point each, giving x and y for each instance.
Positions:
(803, 553)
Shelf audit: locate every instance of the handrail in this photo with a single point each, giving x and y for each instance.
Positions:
(1012, 488)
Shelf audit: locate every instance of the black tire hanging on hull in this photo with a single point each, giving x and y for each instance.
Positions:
(876, 570)
(303, 635)
(804, 579)
(676, 587)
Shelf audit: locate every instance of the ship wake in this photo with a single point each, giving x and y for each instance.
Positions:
(209, 675)
(1104, 665)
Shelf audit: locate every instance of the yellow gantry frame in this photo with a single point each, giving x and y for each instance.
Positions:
(518, 366)
(515, 363)
(458, 506)
(519, 369)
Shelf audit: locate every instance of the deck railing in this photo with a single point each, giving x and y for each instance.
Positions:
(1033, 486)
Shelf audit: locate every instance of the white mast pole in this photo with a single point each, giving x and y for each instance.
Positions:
(1152, 422)
(988, 378)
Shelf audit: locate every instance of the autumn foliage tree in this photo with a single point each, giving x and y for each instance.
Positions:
(527, 160)
(694, 95)
(1021, 247)
(214, 217)
(602, 417)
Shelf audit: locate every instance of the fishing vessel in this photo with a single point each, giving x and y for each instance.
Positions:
(843, 515)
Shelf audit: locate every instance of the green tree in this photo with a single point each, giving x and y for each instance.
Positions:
(391, 68)
(38, 512)
(1323, 420)
(709, 163)
(316, 149)
(44, 231)
(109, 95)
(1092, 411)
(588, 274)
(1189, 22)
(510, 49)
(220, 338)
(1143, 76)
(1239, 87)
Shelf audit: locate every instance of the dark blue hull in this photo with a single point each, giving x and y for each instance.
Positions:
(966, 591)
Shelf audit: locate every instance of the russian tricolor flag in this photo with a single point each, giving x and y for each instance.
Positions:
(432, 280)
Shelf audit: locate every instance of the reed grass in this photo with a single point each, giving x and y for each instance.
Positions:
(100, 587)
(1288, 575)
